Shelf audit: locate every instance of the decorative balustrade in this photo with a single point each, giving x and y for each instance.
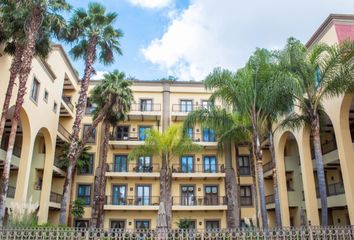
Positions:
(198, 168)
(198, 201)
(306, 232)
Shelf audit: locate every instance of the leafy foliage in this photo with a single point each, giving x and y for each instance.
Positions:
(184, 223)
(77, 209)
(82, 162)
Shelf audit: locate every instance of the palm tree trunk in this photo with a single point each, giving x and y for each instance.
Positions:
(254, 190)
(14, 69)
(100, 180)
(165, 189)
(232, 213)
(259, 167)
(28, 53)
(315, 127)
(80, 108)
(275, 180)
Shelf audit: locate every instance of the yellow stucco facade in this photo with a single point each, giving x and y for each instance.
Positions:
(198, 180)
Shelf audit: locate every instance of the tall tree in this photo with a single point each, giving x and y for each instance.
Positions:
(37, 18)
(167, 145)
(90, 31)
(323, 71)
(114, 89)
(231, 129)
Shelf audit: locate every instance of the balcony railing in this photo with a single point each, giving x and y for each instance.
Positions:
(187, 108)
(198, 201)
(11, 192)
(62, 130)
(126, 136)
(55, 197)
(326, 147)
(155, 107)
(134, 167)
(333, 189)
(16, 150)
(268, 166)
(200, 137)
(246, 201)
(198, 168)
(68, 102)
(269, 199)
(132, 200)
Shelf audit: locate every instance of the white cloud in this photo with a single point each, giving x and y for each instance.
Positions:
(151, 3)
(224, 33)
(98, 75)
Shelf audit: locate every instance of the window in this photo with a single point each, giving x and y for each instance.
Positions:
(244, 165)
(187, 164)
(122, 133)
(142, 224)
(188, 195)
(35, 89)
(210, 165)
(144, 164)
(189, 133)
(246, 196)
(55, 107)
(119, 196)
(117, 224)
(212, 224)
(84, 192)
(211, 195)
(88, 169)
(206, 104)
(81, 223)
(92, 138)
(146, 105)
(208, 135)
(46, 95)
(90, 107)
(143, 195)
(143, 133)
(186, 105)
(120, 163)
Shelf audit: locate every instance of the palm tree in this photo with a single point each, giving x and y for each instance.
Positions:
(325, 71)
(39, 19)
(114, 89)
(230, 128)
(167, 145)
(90, 31)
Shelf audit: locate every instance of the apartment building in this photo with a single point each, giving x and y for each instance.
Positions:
(198, 184)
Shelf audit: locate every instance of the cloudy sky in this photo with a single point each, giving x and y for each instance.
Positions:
(188, 38)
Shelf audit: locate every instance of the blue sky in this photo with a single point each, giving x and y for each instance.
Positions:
(188, 38)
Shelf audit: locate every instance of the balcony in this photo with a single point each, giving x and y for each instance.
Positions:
(133, 171)
(141, 112)
(55, 200)
(335, 195)
(208, 141)
(246, 201)
(267, 169)
(63, 133)
(58, 168)
(16, 155)
(269, 201)
(66, 107)
(203, 171)
(125, 140)
(195, 203)
(244, 170)
(132, 203)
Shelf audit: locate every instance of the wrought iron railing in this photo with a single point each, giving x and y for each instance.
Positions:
(306, 233)
(268, 166)
(198, 201)
(132, 200)
(200, 137)
(198, 168)
(16, 150)
(11, 192)
(65, 133)
(68, 102)
(154, 107)
(134, 167)
(333, 189)
(269, 199)
(244, 170)
(126, 136)
(184, 108)
(246, 201)
(55, 197)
